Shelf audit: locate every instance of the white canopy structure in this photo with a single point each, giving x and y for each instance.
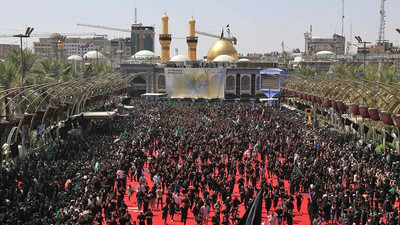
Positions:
(224, 58)
(94, 55)
(180, 58)
(144, 55)
(75, 58)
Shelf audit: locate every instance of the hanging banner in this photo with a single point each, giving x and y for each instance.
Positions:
(195, 82)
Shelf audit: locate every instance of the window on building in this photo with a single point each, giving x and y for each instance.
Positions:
(161, 82)
(230, 83)
(245, 84)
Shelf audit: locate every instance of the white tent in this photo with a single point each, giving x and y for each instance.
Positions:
(75, 58)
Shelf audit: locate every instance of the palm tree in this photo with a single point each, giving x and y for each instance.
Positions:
(14, 57)
(305, 70)
(339, 70)
(94, 68)
(49, 70)
(387, 73)
(8, 79)
(353, 71)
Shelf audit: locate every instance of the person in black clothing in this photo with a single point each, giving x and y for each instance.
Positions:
(215, 220)
(172, 210)
(165, 213)
(299, 200)
(327, 211)
(149, 217)
(184, 213)
(146, 200)
(141, 218)
(195, 211)
(268, 202)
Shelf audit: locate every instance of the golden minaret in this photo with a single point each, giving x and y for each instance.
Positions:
(165, 38)
(191, 40)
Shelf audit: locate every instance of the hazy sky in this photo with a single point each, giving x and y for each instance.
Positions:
(259, 25)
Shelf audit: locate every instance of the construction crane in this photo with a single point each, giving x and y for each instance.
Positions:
(103, 27)
(233, 40)
(113, 28)
(48, 34)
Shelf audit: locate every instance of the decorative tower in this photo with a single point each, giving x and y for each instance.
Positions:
(165, 38)
(192, 40)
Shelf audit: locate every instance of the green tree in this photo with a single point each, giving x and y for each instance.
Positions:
(8, 79)
(305, 70)
(49, 70)
(14, 57)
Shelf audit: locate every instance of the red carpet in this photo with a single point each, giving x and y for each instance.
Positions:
(299, 218)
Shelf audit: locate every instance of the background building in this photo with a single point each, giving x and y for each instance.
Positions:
(6, 48)
(335, 44)
(120, 47)
(142, 38)
(77, 46)
(72, 46)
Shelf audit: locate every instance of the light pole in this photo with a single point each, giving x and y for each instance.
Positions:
(27, 34)
(119, 54)
(97, 54)
(360, 41)
(59, 45)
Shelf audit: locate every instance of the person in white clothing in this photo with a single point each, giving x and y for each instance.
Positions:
(120, 174)
(205, 209)
(272, 219)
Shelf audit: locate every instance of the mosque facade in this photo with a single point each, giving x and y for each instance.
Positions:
(241, 76)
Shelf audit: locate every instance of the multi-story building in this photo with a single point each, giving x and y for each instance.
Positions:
(6, 48)
(72, 46)
(78, 46)
(336, 44)
(120, 48)
(142, 38)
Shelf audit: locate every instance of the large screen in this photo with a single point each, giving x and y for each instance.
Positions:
(269, 81)
(195, 82)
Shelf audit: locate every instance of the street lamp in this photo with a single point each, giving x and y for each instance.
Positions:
(97, 53)
(120, 54)
(59, 45)
(360, 41)
(27, 34)
(85, 46)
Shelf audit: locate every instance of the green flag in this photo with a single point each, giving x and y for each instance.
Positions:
(255, 146)
(296, 170)
(77, 185)
(123, 134)
(257, 126)
(59, 213)
(206, 118)
(149, 130)
(96, 166)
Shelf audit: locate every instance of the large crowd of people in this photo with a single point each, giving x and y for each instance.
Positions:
(202, 163)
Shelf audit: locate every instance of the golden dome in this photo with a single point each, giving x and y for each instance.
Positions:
(192, 20)
(222, 47)
(165, 17)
